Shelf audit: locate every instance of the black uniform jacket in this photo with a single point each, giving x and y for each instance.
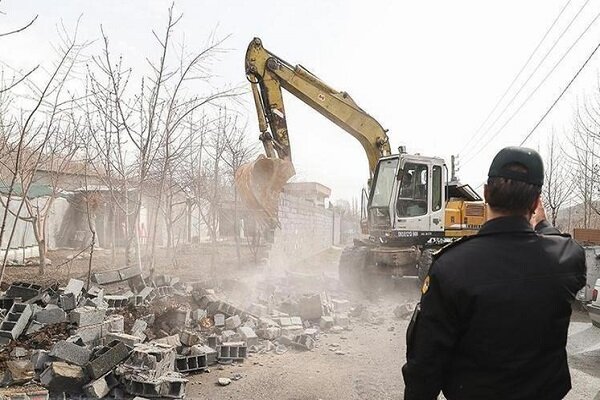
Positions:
(494, 315)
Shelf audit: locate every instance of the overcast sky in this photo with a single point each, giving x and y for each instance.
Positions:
(429, 71)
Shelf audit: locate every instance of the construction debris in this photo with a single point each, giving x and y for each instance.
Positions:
(145, 340)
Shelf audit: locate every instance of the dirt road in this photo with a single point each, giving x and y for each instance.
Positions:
(363, 363)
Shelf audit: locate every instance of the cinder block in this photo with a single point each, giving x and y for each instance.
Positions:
(106, 277)
(172, 340)
(129, 340)
(233, 322)
(106, 358)
(85, 316)
(62, 377)
(269, 333)
(198, 314)
(67, 301)
(51, 315)
(23, 291)
(248, 335)
(74, 286)
(193, 363)
(304, 341)
(116, 301)
(92, 334)
(150, 359)
(219, 319)
(168, 386)
(129, 272)
(70, 352)
(15, 321)
(189, 338)
(236, 351)
(115, 323)
(211, 353)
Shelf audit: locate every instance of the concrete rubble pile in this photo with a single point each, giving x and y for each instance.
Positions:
(146, 339)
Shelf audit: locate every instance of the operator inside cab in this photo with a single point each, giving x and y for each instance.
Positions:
(412, 196)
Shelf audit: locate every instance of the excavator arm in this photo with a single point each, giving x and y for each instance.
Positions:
(269, 73)
(261, 181)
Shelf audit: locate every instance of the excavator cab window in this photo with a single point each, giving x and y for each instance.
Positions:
(412, 193)
(385, 178)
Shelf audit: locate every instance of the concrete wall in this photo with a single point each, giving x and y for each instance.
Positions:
(306, 229)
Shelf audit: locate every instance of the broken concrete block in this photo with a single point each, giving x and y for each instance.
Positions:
(296, 321)
(97, 389)
(211, 353)
(62, 377)
(172, 340)
(219, 319)
(106, 358)
(39, 359)
(74, 286)
(85, 316)
(92, 334)
(67, 301)
(248, 335)
(269, 333)
(17, 372)
(115, 323)
(326, 322)
(304, 341)
(230, 336)
(285, 321)
(15, 321)
(70, 352)
(171, 385)
(153, 360)
(129, 340)
(51, 314)
(311, 306)
(106, 277)
(233, 322)
(129, 272)
(314, 333)
(138, 328)
(23, 291)
(198, 314)
(189, 338)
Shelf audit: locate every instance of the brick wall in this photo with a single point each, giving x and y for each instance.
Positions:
(306, 229)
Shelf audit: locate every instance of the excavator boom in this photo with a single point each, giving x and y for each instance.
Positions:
(261, 182)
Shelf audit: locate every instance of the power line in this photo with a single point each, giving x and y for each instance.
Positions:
(516, 76)
(560, 95)
(535, 89)
(526, 81)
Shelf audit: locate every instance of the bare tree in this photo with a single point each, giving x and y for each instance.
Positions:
(558, 182)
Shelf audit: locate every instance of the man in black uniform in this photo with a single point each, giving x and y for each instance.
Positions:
(495, 307)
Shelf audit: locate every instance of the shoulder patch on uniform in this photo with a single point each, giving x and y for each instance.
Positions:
(450, 245)
(425, 286)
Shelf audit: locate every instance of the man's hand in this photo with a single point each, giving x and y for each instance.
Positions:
(538, 215)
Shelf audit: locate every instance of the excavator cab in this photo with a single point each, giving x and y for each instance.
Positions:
(406, 202)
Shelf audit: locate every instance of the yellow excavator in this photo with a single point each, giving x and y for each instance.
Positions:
(412, 206)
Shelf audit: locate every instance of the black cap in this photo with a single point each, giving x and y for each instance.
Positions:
(528, 158)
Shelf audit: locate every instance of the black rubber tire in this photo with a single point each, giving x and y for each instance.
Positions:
(424, 263)
(352, 264)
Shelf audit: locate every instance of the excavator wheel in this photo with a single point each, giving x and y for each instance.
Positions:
(352, 265)
(424, 263)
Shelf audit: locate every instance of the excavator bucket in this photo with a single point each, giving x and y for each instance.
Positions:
(259, 184)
